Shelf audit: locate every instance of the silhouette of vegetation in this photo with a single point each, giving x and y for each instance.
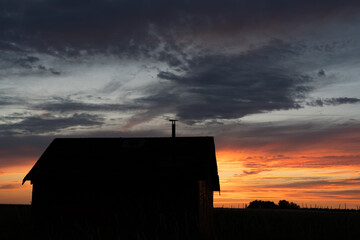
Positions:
(283, 204)
(262, 204)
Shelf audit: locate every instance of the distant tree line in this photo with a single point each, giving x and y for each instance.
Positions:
(283, 204)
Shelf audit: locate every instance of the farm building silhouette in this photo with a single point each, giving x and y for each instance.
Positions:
(153, 186)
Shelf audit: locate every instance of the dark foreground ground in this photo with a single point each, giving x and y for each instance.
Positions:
(286, 224)
(15, 223)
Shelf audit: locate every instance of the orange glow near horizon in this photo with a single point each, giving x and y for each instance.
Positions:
(310, 179)
(11, 189)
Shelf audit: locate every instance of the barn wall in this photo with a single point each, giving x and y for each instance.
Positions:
(205, 209)
(170, 206)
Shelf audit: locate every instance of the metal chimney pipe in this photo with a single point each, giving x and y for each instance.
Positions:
(173, 127)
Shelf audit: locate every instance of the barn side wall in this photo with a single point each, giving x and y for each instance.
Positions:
(205, 209)
(160, 208)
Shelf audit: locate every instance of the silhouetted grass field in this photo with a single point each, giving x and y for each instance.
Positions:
(15, 223)
(286, 224)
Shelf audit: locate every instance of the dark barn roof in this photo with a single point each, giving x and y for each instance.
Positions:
(127, 159)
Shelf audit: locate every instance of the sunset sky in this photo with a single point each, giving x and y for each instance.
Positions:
(275, 82)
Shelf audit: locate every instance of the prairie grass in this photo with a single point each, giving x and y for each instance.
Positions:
(15, 222)
(286, 224)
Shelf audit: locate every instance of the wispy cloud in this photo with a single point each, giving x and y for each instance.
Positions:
(47, 123)
(333, 101)
(64, 105)
(316, 184)
(9, 186)
(308, 161)
(353, 195)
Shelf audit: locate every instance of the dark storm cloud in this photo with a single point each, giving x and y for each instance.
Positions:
(204, 84)
(213, 86)
(223, 86)
(333, 101)
(48, 123)
(124, 25)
